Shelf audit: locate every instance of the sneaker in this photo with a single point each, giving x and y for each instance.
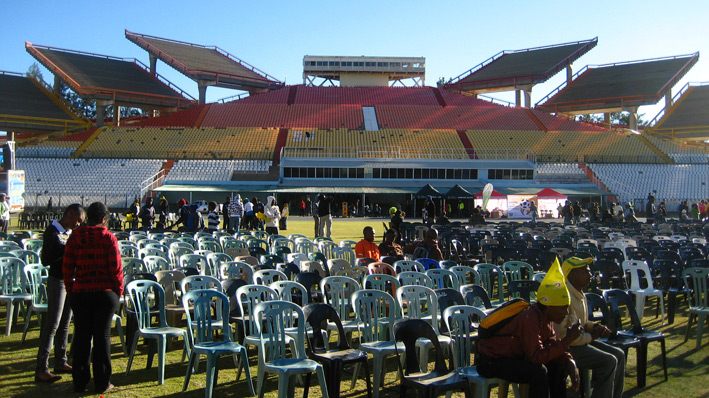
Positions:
(66, 368)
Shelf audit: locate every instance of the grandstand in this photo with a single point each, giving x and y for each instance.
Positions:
(674, 183)
(115, 181)
(182, 143)
(215, 170)
(520, 69)
(618, 86)
(28, 104)
(687, 117)
(680, 153)
(110, 80)
(207, 65)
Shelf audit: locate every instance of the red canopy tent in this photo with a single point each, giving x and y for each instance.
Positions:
(548, 193)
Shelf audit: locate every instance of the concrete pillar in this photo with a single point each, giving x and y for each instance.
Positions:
(633, 119)
(528, 97)
(57, 87)
(607, 119)
(116, 115)
(100, 113)
(153, 65)
(668, 100)
(569, 74)
(202, 88)
(518, 98)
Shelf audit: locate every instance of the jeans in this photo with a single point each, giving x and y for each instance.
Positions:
(607, 365)
(234, 223)
(544, 381)
(93, 312)
(316, 219)
(55, 326)
(325, 226)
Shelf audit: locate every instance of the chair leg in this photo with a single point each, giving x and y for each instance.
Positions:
(283, 385)
(132, 351)
(162, 348)
(188, 374)
(367, 380)
(664, 358)
(689, 325)
(306, 385)
(27, 324)
(244, 361)
(323, 383)
(641, 353)
(119, 329)
(378, 360)
(701, 320)
(211, 375)
(10, 312)
(260, 374)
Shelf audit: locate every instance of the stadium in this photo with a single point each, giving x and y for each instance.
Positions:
(370, 134)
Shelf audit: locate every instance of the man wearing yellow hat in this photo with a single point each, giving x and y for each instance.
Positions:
(606, 362)
(527, 349)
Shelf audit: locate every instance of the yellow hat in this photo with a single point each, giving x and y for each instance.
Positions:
(573, 263)
(553, 291)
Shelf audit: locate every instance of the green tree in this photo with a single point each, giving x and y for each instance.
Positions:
(35, 72)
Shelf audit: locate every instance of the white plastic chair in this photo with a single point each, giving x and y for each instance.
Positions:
(635, 268)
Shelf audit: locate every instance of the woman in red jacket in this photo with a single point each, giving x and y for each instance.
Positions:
(93, 276)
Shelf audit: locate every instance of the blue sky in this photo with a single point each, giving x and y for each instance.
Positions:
(275, 35)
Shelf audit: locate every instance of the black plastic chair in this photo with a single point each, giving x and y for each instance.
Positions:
(610, 275)
(269, 261)
(447, 298)
(698, 263)
(523, 289)
(431, 384)
(475, 293)
(616, 299)
(669, 279)
(291, 270)
(317, 317)
(310, 279)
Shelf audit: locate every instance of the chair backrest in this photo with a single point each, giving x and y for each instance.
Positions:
(327, 248)
(139, 292)
(418, 302)
(199, 282)
(448, 298)
(465, 274)
(296, 258)
(238, 270)
(156, 263)
(171, 282)
(249, 297)
(409, 331)
(381, 268)
(339, 267)
(312, 266)
(210, 244)
(132, 265)
(518, 270)
(408, 265)
(476, 296)
(595, 303)
(345, 253)
(638, 271)
(272, 320)
(209, 307)
(488, 273)
(337, 291)
(428, 263)
(696, 279)
(381, 282)
(215, 262)
(377, 311)
(144, 242)
(34, 244)
(34, 274)
(28, 256)
(317, 317)
(523, 289)
(616, 299)
(414, 278)
(291, 291)
(443, 278)
(268, 276)
(462, 321)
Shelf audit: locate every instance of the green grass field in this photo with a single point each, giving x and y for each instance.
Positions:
(688, 370)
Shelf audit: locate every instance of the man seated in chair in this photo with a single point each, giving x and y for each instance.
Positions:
(606, 362)
(428, 247)
(366, 248)
(527, 350)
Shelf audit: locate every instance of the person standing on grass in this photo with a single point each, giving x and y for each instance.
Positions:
(4, 213)
(236, 212)
(212, 217)
(225, 213)
(56, 321)
(93, 277)
(273, 215)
